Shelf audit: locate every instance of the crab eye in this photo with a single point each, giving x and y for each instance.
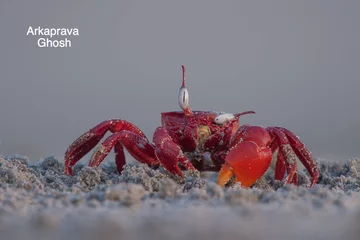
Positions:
(183, 98)
(223, 118)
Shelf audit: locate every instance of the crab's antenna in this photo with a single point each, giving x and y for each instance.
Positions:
(244, 113)
(183, 81)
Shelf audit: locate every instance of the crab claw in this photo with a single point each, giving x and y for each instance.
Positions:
(247, 161)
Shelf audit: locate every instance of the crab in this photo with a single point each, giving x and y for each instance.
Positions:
(199, 140)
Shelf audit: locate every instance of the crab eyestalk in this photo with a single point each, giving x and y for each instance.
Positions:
(237, 115)
(184, 96)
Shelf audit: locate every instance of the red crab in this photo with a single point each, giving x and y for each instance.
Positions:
(202, 140)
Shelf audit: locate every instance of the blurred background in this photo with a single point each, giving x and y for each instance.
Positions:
(296, 63)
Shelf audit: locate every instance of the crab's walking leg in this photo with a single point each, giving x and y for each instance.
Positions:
(249, 159)
(286, 152)
(291, 146)
(280, 166)
(303, 154)
(81, 146)
(169, 153)
(138, 147)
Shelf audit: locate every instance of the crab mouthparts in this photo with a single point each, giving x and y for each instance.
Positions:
(203, 133)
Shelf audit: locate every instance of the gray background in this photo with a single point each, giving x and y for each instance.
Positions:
(296, 63)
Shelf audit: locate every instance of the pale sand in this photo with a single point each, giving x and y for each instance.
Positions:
(39, 202)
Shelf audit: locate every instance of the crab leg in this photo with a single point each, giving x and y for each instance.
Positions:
(81, 146)
(303, 154)
(287, 152)
(138, 147)
(249, 159)
(280, 166)
(169, 153)
(292, 146)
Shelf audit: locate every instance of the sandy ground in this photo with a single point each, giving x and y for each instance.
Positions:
(38, 202)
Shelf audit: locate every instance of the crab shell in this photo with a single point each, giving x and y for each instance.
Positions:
(191, 133)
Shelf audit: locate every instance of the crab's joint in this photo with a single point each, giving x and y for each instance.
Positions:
(188, 112)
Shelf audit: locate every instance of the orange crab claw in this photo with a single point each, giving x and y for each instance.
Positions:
(247, 161)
